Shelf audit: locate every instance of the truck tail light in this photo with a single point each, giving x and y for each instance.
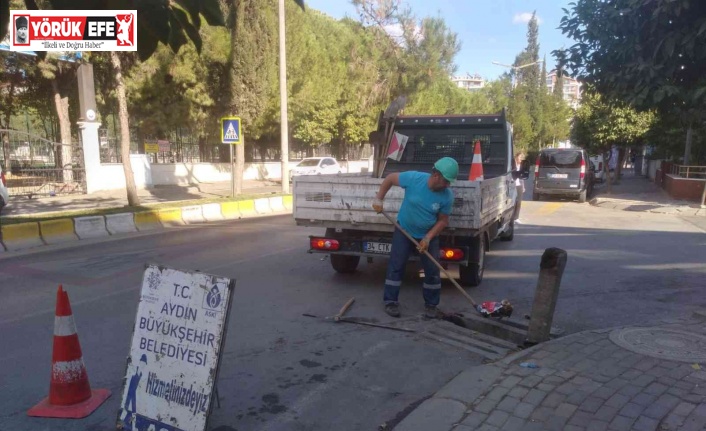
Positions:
(326, 244)
(583, 169)
(451, 254)
(536, 168)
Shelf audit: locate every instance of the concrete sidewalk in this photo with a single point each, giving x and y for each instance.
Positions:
(627, 378)
(20, 205)
(638, 193)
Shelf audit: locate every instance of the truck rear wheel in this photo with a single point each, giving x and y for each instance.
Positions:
(344, 264)
(472, 274)
(582, 197)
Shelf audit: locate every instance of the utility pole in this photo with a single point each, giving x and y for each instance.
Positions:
(516, 68)
(284, 131)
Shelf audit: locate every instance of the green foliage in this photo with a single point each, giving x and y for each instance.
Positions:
(341, 74)
(648, 53)
(600, 123)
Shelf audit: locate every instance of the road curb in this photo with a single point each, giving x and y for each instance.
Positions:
(57, 231)
(212, 212)
(247, 208)
(23, 236)
(90, 227)
(120, 223)
(262, 206)
(192, 214)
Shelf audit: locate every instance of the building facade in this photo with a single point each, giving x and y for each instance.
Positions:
(469, 82)
(571, 91)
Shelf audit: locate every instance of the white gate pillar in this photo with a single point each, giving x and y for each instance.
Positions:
(89, 127)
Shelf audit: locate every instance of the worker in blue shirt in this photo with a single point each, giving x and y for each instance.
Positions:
(424, 214)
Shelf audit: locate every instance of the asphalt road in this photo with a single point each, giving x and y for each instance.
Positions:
(284, 371)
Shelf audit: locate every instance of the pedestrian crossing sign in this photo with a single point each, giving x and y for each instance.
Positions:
(231, 132)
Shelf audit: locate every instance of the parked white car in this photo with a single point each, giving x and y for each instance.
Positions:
(4, 194)
(315, 166)
(598, 163)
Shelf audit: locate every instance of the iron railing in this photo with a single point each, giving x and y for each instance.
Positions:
(36, 166)
(685, 171)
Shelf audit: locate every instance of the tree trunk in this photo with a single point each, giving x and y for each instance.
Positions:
(6, 151)
(6, 136)
(687, 148)
(606, 173)
(619, 166)
(132, 198)
(61, 103)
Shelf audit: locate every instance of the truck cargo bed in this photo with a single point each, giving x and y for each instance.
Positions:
(344, 201)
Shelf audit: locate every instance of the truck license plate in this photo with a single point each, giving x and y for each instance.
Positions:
(558, 175)
(377, 247)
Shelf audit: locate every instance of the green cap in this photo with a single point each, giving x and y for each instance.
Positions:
(448, 168)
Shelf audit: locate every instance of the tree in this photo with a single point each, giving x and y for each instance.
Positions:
(173, 23)
(528, 79)
(648, 53)
(556, 113)
(601, 123)
(13, 78)
(251, 65)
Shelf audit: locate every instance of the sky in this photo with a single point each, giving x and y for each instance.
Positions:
(489, 30)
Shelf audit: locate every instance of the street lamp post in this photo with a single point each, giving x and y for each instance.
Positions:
(516, 68)
(284, 131)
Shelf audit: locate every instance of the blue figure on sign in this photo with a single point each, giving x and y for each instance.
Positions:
(132, 393)
(214, 297)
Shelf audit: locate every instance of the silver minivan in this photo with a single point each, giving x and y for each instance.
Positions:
(563, 172)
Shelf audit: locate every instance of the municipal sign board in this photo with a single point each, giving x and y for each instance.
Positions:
(176, 347)
(231, 132)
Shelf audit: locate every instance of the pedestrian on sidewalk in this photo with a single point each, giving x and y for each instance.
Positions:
(424, 214)
(520, 186)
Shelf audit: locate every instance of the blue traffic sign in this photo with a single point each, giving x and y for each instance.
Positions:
(231, 133)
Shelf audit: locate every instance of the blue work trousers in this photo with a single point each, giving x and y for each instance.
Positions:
(402, 249)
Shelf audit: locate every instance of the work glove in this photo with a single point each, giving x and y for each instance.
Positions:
(423, 245)
(377, 205)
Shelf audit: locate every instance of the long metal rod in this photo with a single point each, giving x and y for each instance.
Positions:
(375, 325)
(414, 241)
(359, 322)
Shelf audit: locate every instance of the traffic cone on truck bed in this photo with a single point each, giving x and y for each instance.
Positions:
(70, 394)
(476, 173)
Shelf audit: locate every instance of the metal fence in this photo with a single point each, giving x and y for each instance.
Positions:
(184, 147)
(685, 171)
(37, 166)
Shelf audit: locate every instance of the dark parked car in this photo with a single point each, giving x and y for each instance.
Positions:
(564, 172)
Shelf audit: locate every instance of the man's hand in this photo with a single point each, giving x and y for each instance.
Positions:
(423, 245)
(377, 205)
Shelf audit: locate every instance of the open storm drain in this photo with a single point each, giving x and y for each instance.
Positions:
(662, 343)
(488, 337)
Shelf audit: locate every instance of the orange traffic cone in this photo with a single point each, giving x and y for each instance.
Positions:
(476, 173)
(70, 394)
